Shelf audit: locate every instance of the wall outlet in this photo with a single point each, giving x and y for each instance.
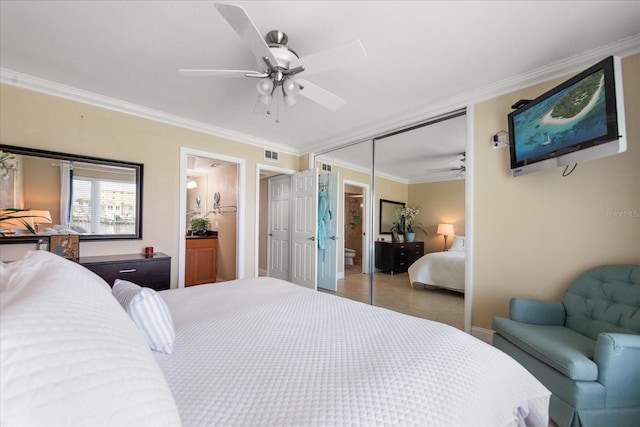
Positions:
(499, 140)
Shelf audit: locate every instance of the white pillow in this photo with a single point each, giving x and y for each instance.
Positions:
(69, 353)
(149, 312)
(458, 244)
(33, 261)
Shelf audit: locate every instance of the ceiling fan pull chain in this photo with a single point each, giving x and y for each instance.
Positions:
(277, 107)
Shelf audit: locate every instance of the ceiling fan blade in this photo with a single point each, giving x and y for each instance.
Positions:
(223, 73)
(237, 17)
(339, 56)
(320, 96)
(442, 170)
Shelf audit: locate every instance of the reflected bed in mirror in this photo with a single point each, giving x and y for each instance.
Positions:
(388, 214)
(98, 199)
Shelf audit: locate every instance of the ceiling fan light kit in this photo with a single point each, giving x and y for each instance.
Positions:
(278, 65)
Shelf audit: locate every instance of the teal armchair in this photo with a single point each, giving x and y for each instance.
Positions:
(585, 349)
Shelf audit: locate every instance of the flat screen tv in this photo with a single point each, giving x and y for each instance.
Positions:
(579, 120)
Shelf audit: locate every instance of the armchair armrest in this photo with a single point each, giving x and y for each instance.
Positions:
(618, 360)
(537, 312)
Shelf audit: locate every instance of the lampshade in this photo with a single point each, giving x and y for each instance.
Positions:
(41, 217)
(290, 88)
(18, 222)
(192, 184)
(289, 100)
(265, 86)
(265, 99)
(446, 229)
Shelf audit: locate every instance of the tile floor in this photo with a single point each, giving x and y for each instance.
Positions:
(395, 292)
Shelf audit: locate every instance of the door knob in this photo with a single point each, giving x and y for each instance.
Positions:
(270, 234)
(312, 238)
(333, 237)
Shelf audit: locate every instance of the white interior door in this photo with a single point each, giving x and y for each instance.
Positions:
(304, 196)
(279, 230)
(327, 242)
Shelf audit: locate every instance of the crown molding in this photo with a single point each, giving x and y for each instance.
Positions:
(24, 81)
(622, 48)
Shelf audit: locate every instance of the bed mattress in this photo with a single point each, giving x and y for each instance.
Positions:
(442, 269)
(270, 353)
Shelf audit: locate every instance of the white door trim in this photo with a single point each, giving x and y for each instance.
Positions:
(240, 225)
(365, 220)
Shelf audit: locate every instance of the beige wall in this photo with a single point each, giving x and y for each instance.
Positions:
(224, 180)
(439, 202)
(35, 120)
(534, 234)
(41, 186)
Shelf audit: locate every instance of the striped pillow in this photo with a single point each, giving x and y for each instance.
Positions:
(149, 312)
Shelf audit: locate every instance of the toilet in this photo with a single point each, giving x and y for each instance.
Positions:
(349, 255)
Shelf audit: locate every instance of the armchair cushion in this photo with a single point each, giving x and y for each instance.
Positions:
(537, 312)
(561, 348)
(604, 299)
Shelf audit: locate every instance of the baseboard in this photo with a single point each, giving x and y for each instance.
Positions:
(262, 272)
(482, 334)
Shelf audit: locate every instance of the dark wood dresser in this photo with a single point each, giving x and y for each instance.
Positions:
(151, 271)
(397, 257)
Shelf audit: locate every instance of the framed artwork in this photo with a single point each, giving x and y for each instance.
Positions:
(65, 245)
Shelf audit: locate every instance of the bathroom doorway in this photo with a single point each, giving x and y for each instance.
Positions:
(355, 259)
(219, 198)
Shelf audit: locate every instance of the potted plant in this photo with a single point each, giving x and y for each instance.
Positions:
(199, 225)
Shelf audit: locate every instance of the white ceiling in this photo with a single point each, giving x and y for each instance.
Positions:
(424, 59)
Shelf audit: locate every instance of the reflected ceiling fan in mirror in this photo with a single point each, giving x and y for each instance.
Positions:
(279, 66)
(457, 169)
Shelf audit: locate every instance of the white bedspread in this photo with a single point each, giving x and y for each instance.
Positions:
(443, 269)
(266, 352)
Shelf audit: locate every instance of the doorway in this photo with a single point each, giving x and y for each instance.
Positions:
(263, 174)
(356, 226)
(220, 201)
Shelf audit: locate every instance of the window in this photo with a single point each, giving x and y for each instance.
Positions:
(103, 200)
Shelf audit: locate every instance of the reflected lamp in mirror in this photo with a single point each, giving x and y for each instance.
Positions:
(40, 217)
(16, 223)
(446, 230)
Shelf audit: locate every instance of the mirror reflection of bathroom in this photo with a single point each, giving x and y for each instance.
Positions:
(353, 231)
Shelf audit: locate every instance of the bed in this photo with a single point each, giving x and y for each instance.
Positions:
(248, 352)
(441, 269)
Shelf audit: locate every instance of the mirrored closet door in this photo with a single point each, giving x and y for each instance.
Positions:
(387, 224)
(345, 179)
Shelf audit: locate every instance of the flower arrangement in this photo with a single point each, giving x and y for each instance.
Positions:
(6, 164)
(404, 219)
(410, 214)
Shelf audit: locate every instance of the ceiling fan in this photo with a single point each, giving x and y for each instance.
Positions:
(459, 166)
(279, 66)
